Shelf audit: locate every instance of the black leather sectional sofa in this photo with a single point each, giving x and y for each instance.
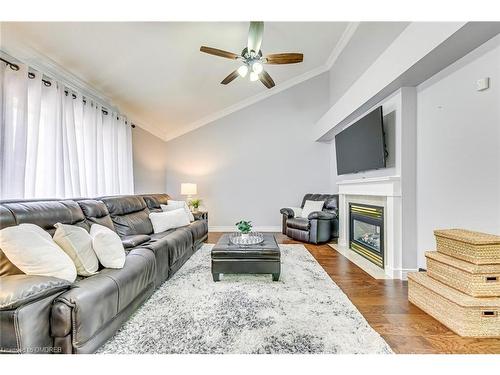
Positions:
(45, 314)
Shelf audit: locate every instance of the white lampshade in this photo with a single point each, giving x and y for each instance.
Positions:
(188, 189)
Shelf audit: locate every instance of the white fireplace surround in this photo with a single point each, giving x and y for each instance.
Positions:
(384, 192)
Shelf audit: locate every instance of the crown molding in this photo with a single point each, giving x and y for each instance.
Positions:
(45, 65)
(342, 43)
(337, 50)
(154, 130)
(245, 103)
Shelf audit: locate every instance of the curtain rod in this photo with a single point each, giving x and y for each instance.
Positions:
(47, 83)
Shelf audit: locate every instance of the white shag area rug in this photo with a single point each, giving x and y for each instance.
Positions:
(304, 312)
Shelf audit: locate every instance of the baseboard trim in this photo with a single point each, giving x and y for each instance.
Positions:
(405, 271)
(233, 229)
(401, 273)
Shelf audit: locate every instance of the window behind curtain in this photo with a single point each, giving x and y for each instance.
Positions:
(53, 145)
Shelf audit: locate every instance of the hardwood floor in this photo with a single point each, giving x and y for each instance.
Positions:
(385, 306)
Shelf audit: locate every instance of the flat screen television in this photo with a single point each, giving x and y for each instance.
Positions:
(361, 146)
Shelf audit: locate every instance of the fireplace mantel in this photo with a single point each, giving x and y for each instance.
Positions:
(387, 186)
(383, 191)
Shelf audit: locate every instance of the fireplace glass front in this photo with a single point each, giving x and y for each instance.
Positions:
(367, 232)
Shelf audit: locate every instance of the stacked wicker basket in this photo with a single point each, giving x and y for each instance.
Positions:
(461, 287)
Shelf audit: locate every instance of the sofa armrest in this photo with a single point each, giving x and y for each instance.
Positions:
(291, 212)
(25, 304)
(321, 215)
(134, 240)
(18, 290)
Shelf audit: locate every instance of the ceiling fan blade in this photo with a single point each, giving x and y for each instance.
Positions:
(266, 79)
(255, 36)
(231, 77)
(219, 52)
(284, 58)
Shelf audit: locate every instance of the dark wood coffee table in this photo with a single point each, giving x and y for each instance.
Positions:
(262, 258)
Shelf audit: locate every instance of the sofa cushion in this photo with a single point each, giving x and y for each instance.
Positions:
(47, 213)
(95, 303)
(177, 243)
(160, 251)
(77, 243)
(107, 246)
(96, 212)
(6, 266)
(129, 215)
(199, 230)
(297, 234)
(6, 218)
(96, 300)
(298, 223)
(311, 206)
(153, 201)
(163, 221)
(18, 290)
(129, 242)
(174, 205)
(36, 255)
(137, 275)
(157, 236)
(331, 200)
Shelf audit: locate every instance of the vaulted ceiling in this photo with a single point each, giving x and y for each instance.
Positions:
(155, 73)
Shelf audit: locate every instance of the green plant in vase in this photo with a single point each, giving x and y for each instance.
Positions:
(245, 227)
(195, 204)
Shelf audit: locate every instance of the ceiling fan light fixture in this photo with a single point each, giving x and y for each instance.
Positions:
(252, 59)
(243, 70)
(254, 76)
(257, 67)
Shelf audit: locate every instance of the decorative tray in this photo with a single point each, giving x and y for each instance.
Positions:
(253, 238)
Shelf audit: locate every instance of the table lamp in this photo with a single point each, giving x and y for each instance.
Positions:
(188, 189)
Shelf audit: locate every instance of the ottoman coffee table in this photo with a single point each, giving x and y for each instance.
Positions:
(261, 258)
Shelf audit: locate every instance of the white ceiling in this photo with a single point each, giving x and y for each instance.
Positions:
(154, 72)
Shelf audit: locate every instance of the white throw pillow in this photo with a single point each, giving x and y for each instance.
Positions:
(77, 243)
(174, 205)
(297, 211)
(163, 221)
(312, 206)
(107, 246)
(37, 229)
(34, 254)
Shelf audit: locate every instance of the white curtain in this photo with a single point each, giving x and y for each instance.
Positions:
(53, 145)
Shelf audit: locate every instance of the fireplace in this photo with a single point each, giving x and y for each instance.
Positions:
(366, 232)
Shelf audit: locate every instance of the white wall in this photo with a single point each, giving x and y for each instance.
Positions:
(149, 162)
(365, 46)
(255, 161)
(399, 121)
(458, 148)
(386, 73)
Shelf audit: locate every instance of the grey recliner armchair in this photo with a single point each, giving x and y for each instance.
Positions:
(319, 226)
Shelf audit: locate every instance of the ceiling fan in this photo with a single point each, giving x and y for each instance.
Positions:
(252, 58)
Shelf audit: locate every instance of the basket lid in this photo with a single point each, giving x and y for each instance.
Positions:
(462, 264)
(451, 294)
(468, 236)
